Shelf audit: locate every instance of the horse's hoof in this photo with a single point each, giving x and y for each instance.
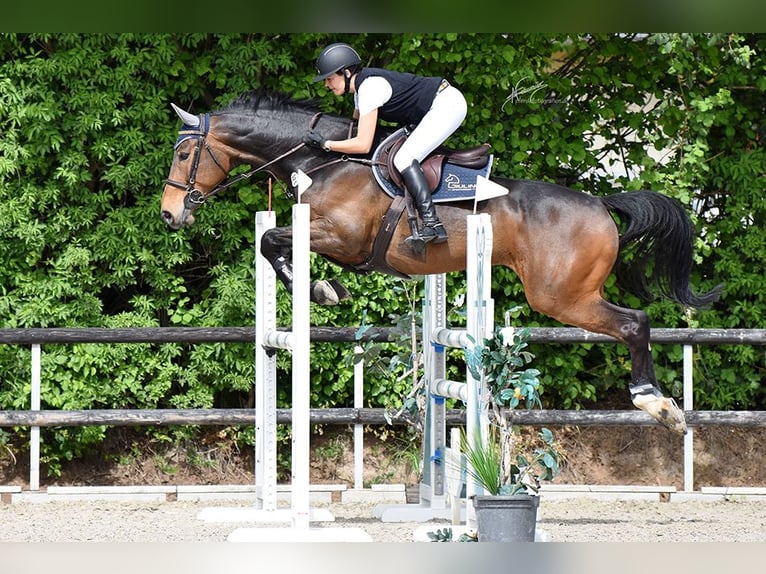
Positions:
(664, 409)
(322, 293)
(340, 290)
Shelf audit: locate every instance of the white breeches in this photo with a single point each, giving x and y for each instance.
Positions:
(445, 116)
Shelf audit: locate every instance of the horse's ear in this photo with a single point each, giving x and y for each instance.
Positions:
(188, 119)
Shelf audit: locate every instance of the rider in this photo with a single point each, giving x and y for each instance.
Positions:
(431, 104)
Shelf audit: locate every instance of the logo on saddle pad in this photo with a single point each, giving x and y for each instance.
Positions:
(453, 183)
(452, 174)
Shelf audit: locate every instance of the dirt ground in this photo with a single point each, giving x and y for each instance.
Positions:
(575, 520)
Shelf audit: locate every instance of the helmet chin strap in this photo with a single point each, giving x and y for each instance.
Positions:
(347, 79)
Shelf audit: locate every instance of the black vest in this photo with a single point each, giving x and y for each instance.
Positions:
(411, 98)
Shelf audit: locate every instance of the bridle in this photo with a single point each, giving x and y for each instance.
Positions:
(195, 197)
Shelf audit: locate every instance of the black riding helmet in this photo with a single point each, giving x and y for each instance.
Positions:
(335, 58)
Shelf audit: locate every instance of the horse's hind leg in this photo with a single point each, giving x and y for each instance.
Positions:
(632, 328)
(277, 248)
(645, 393)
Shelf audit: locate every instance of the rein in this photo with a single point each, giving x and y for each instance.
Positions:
(196, 197)
(246, 175)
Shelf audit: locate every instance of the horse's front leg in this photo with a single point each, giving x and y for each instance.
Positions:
(277, 248)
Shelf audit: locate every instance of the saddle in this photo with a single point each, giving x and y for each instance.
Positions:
(474, 158)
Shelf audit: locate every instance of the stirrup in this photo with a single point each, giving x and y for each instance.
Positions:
(416, 243)
(434, 233)
(426, 235)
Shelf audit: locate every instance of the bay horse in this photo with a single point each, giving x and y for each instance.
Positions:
(562, 243)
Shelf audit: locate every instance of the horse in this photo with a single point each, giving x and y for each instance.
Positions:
(562, 243)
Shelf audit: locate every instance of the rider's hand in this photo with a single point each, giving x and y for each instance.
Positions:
(315, 139)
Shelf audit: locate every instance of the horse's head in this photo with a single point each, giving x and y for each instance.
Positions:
(200, 164)
(261, 129)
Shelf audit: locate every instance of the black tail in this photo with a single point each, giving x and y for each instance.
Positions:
(661, 235)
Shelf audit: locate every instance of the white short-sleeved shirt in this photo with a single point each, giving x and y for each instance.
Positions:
(371, 94)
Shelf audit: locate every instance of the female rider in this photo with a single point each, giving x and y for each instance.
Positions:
(434, 107)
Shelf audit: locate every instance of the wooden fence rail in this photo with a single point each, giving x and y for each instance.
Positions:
(204, 417)
(191, 335)
(158, 335)
(351, 416)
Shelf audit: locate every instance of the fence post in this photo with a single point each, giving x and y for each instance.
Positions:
(358, 428)
(688, 406)
(34, 434)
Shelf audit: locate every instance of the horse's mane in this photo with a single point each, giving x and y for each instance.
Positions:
(266, 100)
(275, 104)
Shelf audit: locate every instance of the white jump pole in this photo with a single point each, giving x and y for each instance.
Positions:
(267, 340)
(480, 324)
(266, 364)
(301, 426)
(298, 340)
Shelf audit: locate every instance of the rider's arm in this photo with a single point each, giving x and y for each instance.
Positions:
(361, 143)
(371, 94)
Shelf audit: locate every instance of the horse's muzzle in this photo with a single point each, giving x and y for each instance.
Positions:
(176, 223)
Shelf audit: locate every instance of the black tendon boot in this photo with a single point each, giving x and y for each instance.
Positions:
(417, 185)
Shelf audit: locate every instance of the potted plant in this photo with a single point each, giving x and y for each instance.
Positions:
(508, 468)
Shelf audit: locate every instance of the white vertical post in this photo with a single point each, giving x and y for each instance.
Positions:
(455, 468)
(358, 428)
(301, 427)
(432, 486)
(265, 366)
(34, 435)
(688, 406)
(479, 324)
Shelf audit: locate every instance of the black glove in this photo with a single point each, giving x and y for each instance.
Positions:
(314, 139)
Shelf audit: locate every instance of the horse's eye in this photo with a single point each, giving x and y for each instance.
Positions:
(183, 155)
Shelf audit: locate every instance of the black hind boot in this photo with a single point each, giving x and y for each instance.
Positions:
(417, 185)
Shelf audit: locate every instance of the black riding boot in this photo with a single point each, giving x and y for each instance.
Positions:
(417, 185)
